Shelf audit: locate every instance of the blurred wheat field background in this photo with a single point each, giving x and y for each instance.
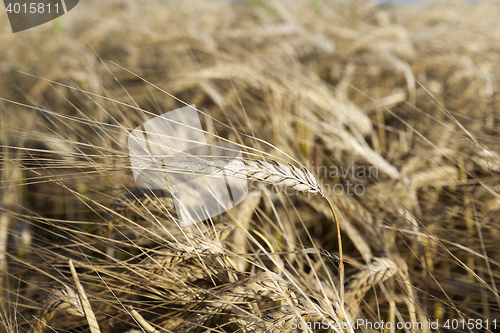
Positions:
(392, 109)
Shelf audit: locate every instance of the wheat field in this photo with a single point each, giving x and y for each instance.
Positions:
(379, 117)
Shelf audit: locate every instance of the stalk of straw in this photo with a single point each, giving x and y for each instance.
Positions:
(94, 326)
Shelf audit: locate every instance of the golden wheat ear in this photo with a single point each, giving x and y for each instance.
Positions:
(279, 174)
(371, 274)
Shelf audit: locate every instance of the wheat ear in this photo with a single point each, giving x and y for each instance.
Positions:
(379, 270)
(278, 174)
(272, 172)
(59, 299)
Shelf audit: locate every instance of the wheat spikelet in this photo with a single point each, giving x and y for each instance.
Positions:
(379, 270)
(279, 174)
(67, 300)
(273, 172)
(239, 300)
(189, 260)
(59, 299)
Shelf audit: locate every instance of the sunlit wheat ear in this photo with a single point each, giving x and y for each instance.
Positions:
(379, 270)
(277, 174)
(273, 172)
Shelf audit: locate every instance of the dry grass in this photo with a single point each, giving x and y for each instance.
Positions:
(313, 92)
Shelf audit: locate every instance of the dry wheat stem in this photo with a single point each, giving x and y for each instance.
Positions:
(94, 326)
(341, 255)
(142, 322)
